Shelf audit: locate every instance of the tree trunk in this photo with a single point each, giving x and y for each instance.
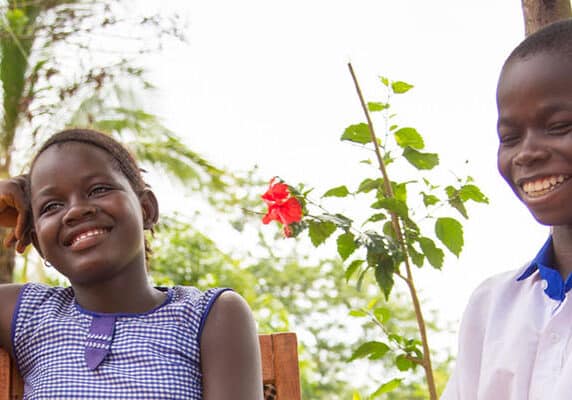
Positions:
(538, 13)
(6, 259)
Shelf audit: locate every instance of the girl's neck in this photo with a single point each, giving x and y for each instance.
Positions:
(119, 296)
(562, 246)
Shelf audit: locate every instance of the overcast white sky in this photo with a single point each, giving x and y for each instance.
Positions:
(265, 83)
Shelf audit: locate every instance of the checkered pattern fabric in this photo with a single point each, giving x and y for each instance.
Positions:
(155, 355)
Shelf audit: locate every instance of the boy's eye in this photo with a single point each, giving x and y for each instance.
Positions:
(508, 138)
(559, 128)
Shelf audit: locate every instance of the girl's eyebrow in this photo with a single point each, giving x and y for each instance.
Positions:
(49, 189)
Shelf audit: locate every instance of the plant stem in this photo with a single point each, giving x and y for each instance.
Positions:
(426, 362)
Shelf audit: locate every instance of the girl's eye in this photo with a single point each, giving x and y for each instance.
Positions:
(48, 207)
(99, 190)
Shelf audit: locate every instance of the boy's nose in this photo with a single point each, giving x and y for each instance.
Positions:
(78, 213)
(531, 150)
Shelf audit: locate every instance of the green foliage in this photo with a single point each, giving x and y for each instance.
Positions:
(358, 133)
(397, 235)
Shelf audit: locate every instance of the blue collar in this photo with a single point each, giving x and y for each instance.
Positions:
(556, 288)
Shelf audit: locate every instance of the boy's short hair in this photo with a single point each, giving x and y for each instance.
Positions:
(553, 38)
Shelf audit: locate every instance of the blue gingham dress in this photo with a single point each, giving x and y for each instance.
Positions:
(64, 353)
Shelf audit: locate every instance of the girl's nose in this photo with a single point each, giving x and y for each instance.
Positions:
(78, 212)
(531, 150)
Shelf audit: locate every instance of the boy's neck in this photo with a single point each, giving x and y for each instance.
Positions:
(562, 246)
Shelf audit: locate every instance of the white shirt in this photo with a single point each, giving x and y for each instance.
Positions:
(514, 343)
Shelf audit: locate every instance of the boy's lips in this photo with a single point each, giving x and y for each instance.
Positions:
(540, 186)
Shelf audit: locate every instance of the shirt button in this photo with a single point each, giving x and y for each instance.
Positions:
(554, 338)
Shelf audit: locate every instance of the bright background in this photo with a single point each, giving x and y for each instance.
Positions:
(266, 83)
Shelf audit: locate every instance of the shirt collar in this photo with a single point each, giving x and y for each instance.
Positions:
(555, 287)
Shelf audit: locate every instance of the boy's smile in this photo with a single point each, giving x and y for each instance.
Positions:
(534, 99)
(88, 221)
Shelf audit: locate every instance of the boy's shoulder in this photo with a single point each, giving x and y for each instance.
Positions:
(501, 290)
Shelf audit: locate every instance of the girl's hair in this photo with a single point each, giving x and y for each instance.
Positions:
(122, 160)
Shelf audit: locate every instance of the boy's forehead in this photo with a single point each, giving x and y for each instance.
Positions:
(541, 66)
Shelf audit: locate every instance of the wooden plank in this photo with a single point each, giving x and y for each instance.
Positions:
(4, 375)
(285, 350)
(267, 358)
(16, 383)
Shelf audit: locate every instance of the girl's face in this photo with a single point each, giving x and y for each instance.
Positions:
(534, 99)
(88, 221)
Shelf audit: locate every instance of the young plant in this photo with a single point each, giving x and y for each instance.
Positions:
(409, 223)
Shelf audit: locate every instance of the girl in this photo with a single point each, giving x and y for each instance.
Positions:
(85, 206)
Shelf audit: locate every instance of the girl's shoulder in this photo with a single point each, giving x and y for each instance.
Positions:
(9, 294)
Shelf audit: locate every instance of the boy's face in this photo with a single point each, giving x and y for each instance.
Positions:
(534, 99)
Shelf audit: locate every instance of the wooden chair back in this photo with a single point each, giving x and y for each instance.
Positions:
(280, 370)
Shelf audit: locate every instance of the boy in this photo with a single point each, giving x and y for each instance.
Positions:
(515, 340)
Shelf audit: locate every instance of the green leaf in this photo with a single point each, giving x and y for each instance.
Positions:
(358, 313)
(384, 266)
(346, 245)
(416, 257)
(373, 350)
(384, 80)
(339, 191)
(373, 107)
(450, 233)
(400, 87)
(429, 199)
(382, 314)
(400, 191)
(409, 137)
(458, 205)
(355, 264)
(376, 217)
(358, 133)
(392, 205)
(320, 231)
(434, 255)
(472, 192)
(420, 160)
(387, 387)
(403, 363)
(367, 185)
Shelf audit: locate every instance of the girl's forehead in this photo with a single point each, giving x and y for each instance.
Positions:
(72, 159)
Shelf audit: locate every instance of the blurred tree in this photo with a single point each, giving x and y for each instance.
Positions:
(538, 13)
(290, 290)
(73, 62)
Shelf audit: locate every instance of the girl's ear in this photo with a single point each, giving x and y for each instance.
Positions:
(149, 208)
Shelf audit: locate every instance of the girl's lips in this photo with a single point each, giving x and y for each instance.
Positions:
(87, 238)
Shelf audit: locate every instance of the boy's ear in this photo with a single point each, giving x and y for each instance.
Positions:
(34, 239)
(149, 208)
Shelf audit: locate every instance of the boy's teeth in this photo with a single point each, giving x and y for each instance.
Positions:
(542, 186)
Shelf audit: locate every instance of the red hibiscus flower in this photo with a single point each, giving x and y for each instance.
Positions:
(282, 207)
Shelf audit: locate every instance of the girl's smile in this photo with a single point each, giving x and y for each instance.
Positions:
(88, 221)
